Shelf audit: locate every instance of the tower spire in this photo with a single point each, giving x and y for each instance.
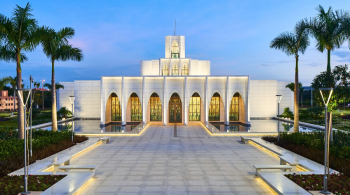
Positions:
(175, 28)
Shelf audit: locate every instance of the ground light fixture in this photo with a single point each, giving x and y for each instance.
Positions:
(325, 179)
(71, 99)
(25, 137)
(278, 98)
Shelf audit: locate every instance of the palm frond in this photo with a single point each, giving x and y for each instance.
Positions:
(285, 42)
(66, 33)
(68, 52)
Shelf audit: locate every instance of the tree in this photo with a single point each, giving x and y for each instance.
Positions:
(57, 86)
(19, 33)
(292, 44)
(330, 29)
(301, 89)
(56, 47)
(338, 79)
(3, 82)
(291, 86)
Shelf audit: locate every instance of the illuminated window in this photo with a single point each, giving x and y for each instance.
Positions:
(136, 110)
(214, 108)
(165, 70)
(156, 108)
(184, 70)
(234, 108)
(116, 113)
(175, 70)
(195, 108)
(175, 50)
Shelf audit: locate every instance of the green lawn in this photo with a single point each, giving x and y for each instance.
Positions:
(337, 120)
(38, 118)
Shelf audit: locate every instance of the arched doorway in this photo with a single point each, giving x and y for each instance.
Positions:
(113, 109)
(215, 108)
(135, 108)
(175, 109)
(195, 108)
(155, 108)
(234, 108)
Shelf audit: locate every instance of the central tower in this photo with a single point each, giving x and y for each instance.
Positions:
(175, 46)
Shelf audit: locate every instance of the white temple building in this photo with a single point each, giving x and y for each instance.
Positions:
(175, 89)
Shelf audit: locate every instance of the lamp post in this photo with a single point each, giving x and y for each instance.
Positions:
(278, 98)
(31, 116)
(42, 90)
(71, 99)
(325, 179)
(25, 138)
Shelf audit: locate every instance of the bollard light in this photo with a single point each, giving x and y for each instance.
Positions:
(278, 98)
(71, 99)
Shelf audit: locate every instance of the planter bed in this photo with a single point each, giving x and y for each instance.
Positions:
(12, 185)
(337, 183)
(311, 146)
(45, 143)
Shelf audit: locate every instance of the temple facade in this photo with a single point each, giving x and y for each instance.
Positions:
(175, 89)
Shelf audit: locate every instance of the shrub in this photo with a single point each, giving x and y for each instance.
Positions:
(288, 113)
(45, 143)
(315, 111)
(311, 145)
(64, 112)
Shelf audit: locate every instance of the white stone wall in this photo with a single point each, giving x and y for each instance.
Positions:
(263, 101)
(63, 95)
(88, 99)
(287, 96)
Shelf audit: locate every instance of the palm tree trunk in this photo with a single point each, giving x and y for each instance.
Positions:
(20, 105)
(296, 95)
(53, 98)
(328, 61)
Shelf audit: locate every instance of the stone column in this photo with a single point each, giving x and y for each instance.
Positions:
(206, 101)
(124, 102)
(185, 103)
(103, 103)
(165, 106)
(226, 102)
(144, 103)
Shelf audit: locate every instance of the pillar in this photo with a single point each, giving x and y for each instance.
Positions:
(124, 102)
(206, 101)
(165, 105)
(144, 103)
(185, 103)
(226, 103)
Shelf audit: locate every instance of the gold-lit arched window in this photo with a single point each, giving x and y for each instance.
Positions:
(175, 52)
(136, 110)
(234, 108)
(184, 70)
(175, 70)
(116, 113)
(165, 70)
(214, 108)
(195, 108)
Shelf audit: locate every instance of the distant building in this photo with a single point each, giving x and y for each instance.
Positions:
(7, 102)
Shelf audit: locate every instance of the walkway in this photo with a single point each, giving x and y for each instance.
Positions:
(157, 163)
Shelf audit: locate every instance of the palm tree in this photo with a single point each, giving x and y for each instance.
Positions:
(19, 33)
(292, 44)
(330, 30)
(56, 47)
(3, 82)
(57, 86)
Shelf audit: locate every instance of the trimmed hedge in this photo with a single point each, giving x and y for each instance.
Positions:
(45, 143)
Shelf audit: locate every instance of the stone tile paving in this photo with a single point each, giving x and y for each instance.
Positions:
(157, 163)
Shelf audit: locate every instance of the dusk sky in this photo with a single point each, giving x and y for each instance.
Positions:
(234, 35)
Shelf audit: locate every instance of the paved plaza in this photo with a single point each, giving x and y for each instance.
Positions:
(157, 163)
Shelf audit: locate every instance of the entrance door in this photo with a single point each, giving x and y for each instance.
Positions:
(175, 109)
